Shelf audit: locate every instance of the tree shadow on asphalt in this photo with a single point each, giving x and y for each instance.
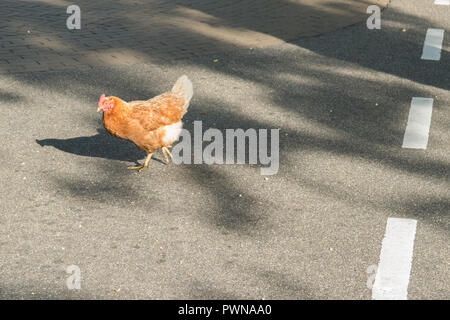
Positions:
(237, 210)
(362, 129)
(278, 284)
(395, 57)
(433, 210)
(207, 290)
(29, 292)
(9, 97)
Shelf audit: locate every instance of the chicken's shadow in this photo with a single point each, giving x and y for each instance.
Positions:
(101, 145)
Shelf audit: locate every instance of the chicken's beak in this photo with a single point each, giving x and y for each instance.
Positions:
(99, 109)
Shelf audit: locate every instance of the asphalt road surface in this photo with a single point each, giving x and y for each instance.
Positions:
(341, 101)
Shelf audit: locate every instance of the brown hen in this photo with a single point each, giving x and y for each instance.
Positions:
(152, 124)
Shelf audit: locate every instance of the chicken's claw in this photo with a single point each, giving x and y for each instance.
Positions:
(166, 152)
(139, 168)
(144, 166)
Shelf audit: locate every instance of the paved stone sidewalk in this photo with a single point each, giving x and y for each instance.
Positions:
(34, 36)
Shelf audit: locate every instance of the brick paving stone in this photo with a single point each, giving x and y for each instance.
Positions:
(34, 32)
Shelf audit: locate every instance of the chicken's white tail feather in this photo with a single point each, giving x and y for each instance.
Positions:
(184, 87)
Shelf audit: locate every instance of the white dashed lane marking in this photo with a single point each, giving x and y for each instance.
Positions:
(433, 44)
(442, 2)
(418, 127)
(394, 268)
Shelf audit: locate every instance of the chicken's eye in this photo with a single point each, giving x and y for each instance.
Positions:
(108, 104)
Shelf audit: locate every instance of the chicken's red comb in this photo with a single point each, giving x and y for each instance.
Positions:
(101, 100)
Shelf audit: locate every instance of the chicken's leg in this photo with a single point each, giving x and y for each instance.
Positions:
(166, 151)
(144, 166)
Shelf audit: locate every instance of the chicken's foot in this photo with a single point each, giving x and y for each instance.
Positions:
(142, 166)
(166, 151)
